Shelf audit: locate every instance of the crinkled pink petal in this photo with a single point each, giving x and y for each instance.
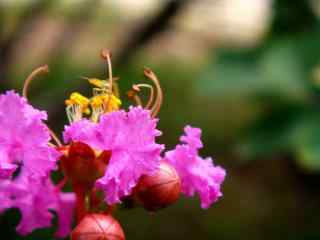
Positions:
(5, 195)
(192, 137)
(131, 138)
(65, 210)
(6, 168)
(198, 175)
(24, 145)
(38, 198)
(35, 198)
(82, 131)
(24, 138)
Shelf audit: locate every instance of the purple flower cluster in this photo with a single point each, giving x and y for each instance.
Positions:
(27, 159)
(131, 139)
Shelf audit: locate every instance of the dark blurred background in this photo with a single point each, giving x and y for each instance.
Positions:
(245, 71)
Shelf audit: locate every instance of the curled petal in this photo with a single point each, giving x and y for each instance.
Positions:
(24, 138)
(35, 198)
(198, 175)
(192, 137)
(131, 139)
(65, 211)
(82, 131)
(6, 168)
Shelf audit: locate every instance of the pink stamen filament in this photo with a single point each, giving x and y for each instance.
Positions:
(158, 102)
(54, 137)
(105, 53)
(151, 97)
(137, 99)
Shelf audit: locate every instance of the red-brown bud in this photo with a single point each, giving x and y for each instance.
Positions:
(81, 164)
(98, 227)
(159, 190)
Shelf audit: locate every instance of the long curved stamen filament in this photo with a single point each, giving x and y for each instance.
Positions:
(116, 88)
(55, 137)
(157, 105)
(105, 53)
(39, 70)
(151, 97)
(137, 99)
(133, 95)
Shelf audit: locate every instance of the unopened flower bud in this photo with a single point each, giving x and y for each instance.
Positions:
(82, 165)
(98, 227)
(159, 190)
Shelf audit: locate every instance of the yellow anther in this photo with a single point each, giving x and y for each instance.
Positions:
(96, 101)
(78, 99)
(98, 82)
(87, 111)
(107, 102)
(114, 103)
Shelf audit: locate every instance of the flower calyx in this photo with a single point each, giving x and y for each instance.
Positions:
(82, 165)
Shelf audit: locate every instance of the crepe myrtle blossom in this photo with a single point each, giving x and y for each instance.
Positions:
(109, 156)
(130, 136)
(26, 160)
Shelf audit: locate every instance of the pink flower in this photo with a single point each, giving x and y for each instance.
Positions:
(82, 131)
(6, 168)
(131, 138)
(65, 211)
(24, 138)
(35, 199)
(197, 174)
(25, 153)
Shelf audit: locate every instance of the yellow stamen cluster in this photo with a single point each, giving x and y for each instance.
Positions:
(102, 102)
(78, 99)
(77, 105)
(105, 97)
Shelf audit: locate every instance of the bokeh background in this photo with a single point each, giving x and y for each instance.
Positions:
(246, 71)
